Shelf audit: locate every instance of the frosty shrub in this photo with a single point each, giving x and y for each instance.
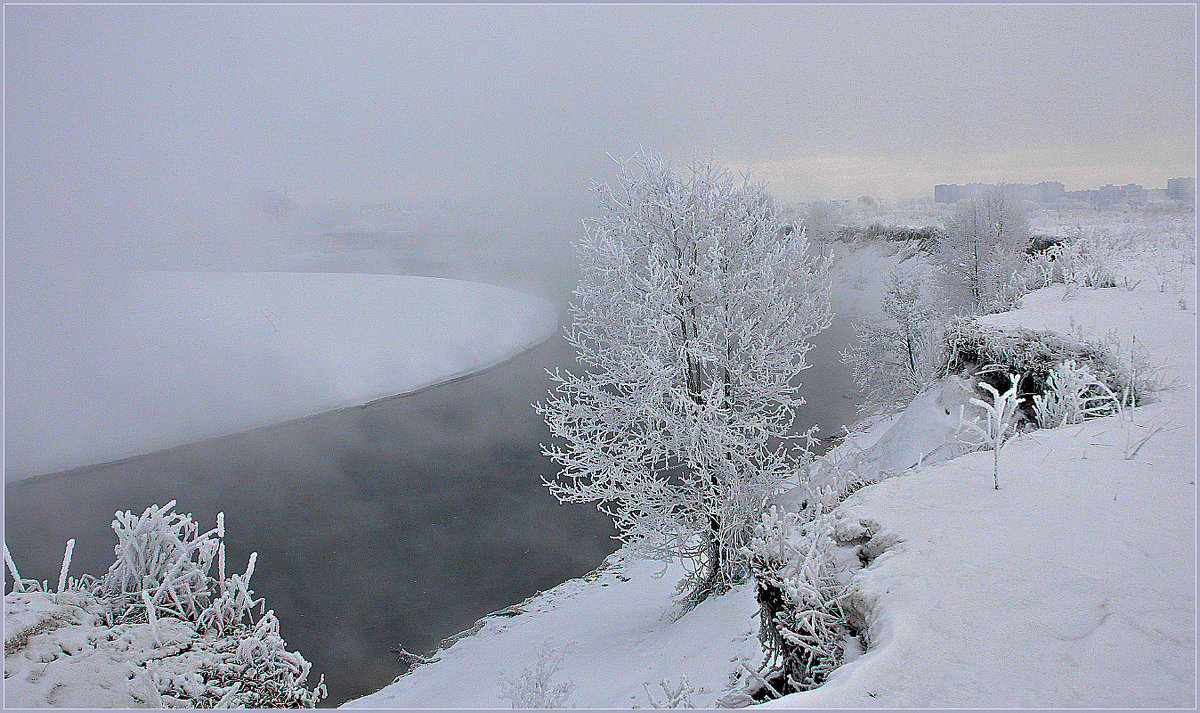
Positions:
(163, 569)
(981, 252)
(1073, 393)
(675, 696)
(534, 687)
(164, 554)
(692, 321)
(967, 346)
(895, 359)
(802, 626)
(251, 667)
(1001, 413)
(1080, 262)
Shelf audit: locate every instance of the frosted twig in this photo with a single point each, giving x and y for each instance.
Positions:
(12, 568)
(66, 564)
(758, 676)
(1142, 442)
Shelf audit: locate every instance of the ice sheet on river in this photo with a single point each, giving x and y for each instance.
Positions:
(116, 366)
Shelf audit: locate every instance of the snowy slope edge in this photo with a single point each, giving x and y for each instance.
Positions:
(1074, 584)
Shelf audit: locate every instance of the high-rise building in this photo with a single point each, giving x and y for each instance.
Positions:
(1182, 189)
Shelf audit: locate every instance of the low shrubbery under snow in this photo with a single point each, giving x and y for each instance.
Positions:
(158, 629)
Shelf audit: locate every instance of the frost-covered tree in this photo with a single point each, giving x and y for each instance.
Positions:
(895, 358)
(981, 251)
(822, 220)
(693, 318)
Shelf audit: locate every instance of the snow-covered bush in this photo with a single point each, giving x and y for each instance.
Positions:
(675, 696)
(221, 654)
(534, 688)
(163, 554)
(695, 312)
(897, 358)
(802, 625)
(1081, 262)
(968, 346)
(1073, 393)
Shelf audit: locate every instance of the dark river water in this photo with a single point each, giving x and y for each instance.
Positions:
(394, 524)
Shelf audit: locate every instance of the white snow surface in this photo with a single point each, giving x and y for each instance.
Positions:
(121, 365)
(611, 632)
(1071, 586)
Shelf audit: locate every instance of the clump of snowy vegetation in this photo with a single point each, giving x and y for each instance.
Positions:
(803, 628)
(1037, 355)
(1073, 393)
(158, 629)
(895, 358)
(697, 307)
(535, 688)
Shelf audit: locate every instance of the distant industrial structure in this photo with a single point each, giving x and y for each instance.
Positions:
(1179, 190)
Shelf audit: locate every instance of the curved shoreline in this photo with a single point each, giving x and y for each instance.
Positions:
(210, 370)
(374, 401)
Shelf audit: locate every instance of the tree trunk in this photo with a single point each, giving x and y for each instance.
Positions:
(712, 581)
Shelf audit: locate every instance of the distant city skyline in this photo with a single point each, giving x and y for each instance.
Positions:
(1179, 188)
(911, 176)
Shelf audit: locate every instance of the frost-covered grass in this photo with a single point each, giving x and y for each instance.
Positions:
(102, 367)
(157, 630)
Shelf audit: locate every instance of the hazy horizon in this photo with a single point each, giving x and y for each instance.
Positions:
(135, 132)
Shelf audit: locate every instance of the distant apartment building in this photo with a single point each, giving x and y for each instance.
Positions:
(1051, 192)
(1182, 190)
(1044, 192)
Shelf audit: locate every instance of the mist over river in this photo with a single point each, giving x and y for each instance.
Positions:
(398, 523)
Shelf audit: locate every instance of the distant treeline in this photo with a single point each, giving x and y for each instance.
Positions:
(927, 238)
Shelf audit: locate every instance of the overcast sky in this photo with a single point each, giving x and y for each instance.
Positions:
(160, 113)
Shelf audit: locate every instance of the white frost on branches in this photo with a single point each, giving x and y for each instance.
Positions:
(896, 358)
(981, 253)
(695, 312)
(1001, 420)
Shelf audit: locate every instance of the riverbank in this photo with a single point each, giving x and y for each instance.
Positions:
(372, 516)
(105, 368)
(1073, 585)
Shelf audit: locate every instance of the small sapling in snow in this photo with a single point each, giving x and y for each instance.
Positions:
(1001, 420)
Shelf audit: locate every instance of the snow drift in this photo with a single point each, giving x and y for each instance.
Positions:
(120, 365)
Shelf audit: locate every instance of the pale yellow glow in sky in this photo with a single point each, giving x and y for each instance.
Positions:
(904, 176)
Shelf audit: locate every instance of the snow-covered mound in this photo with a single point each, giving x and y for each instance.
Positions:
(1074, 584)
(122, 365)
(614, 636)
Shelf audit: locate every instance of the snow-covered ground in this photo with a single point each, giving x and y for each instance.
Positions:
(113, 366)
(1071, 586)
(613, 635)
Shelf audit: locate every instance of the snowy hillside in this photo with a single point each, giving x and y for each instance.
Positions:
(1072, 585)
(113, 367)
